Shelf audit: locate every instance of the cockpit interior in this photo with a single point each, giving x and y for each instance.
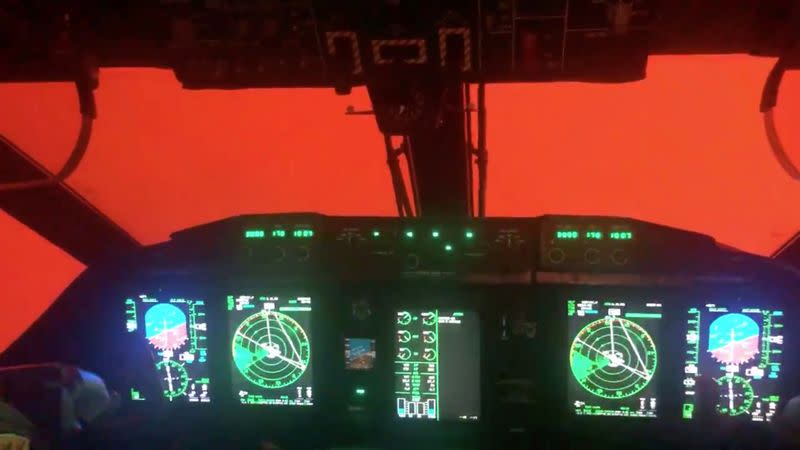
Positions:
(437, 325)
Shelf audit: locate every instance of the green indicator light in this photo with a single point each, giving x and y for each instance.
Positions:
(621, 235)
(294, 308)
(303, 233)
(448, 248)
(136, 395)
(469, 234)
(595, 235)
(688, 410)
(376, 233)
(435, 234)
(409, 234)
(361, 391)
(254, 234)
(278, 233)
(643, 315)
(567, 234)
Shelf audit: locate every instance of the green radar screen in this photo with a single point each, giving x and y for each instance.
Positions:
(271, 349)
(613, 357)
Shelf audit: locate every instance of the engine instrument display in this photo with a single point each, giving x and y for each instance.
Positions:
(437, 365)
(359, 353)
(271, 349)
(741, 349)
(613, 357)
(175, 332)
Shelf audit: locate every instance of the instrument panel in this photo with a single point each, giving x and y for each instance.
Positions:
(620, 353)
(435, 332)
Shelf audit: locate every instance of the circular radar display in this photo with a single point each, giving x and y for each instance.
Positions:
(735, 395)
(174, 378)
(613, 358)
(165, 326)
(733, 338)
(271, 350)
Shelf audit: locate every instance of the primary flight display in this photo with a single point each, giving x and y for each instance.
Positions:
(175, 332)
(741, 349)
(613, 357)
(271, 349)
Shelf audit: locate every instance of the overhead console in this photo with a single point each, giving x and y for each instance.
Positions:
(434, 332)
(332, 43)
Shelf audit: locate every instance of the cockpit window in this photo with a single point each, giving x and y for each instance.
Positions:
(684, 147)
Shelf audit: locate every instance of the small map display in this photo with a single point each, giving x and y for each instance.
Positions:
(359, 353)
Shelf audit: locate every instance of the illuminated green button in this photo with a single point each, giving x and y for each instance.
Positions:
(469, 234)
(435, 234)
(360, 391)
(376, 233)
(409, 234)
(448, 248)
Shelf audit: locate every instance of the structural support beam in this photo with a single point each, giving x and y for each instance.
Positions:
(58, 213)
(441, 158)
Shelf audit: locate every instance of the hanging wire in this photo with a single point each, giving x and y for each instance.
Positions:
(88, 111)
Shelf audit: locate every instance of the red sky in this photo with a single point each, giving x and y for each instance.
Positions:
(685, 148)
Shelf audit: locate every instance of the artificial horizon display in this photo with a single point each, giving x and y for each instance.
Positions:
(741, 348)
(174, 329)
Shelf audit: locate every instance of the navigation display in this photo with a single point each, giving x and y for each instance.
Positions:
(741, 349)
(271, 349)
(437, 365)
(613, 357)
(359, 353)
(174, 329)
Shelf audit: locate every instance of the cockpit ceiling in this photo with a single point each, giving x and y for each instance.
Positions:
(684, 148)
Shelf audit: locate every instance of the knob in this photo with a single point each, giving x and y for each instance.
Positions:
(592, 256)
(412, 261)
(361, 310)
(276, 254)
(556, 255)
(619, 257)
(302, 253)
